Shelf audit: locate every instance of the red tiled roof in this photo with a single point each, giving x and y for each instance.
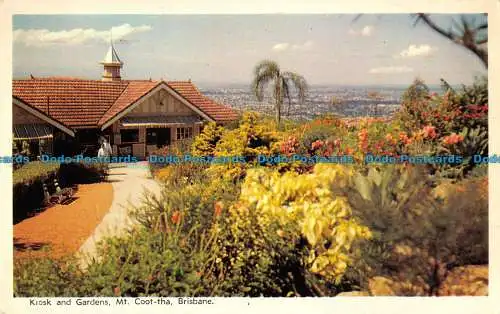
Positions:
(90, 103)
(217, 111)
(74, 102)
(134, 91)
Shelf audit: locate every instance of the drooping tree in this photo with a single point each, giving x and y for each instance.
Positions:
(467, 33)
(268, 72)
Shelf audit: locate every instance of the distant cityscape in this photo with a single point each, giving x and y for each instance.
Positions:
(345, 101)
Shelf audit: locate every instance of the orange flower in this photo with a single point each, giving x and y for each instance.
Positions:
(429, 131)
(363, 140)
(176, 217)
(117, 291)
(452, 139)
(218, 206)
(363, 134)
(403, 137)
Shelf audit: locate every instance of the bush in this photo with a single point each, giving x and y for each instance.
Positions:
(320, 130)
(468, 143)
(204, 144)
(419, 231)
(178, 148)
(250, 139)
(172, 252)
(315, 226)
(45, 277)
(27, 190)
(82, 173)
(34, 171)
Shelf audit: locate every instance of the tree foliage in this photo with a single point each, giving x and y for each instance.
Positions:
(269, 72)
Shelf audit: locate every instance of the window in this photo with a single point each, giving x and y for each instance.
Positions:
(151, 136)
(158, 136)
(183, 133)
(129, 135)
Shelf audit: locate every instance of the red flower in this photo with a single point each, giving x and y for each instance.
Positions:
(176, 217)
(317, 144)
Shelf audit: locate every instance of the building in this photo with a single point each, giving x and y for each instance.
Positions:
(68, 115)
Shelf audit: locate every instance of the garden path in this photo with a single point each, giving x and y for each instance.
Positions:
(129, 181)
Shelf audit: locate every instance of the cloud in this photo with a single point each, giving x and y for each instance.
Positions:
(415, 51)
(75, 36)
(365, 31)
(391, 70)
(287, 46)
(305, 46)
(281, 47)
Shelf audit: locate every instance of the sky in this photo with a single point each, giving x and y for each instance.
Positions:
(330, 49)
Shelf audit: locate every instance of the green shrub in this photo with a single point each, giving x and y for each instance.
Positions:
(34, 171)
(82, 173)
(39, 277)
(474, 142)
(172, 252)
(419, 232)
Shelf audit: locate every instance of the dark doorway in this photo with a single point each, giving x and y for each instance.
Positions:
(158, 136)
(87, 142)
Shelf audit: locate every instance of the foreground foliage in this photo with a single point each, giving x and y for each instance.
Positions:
(302, 229)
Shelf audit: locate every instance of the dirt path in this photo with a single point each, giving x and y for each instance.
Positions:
(62, 229)
(129, 183)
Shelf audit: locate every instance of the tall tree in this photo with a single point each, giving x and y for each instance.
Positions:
(268, 72)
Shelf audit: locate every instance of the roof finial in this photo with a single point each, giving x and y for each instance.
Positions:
(112, 63)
